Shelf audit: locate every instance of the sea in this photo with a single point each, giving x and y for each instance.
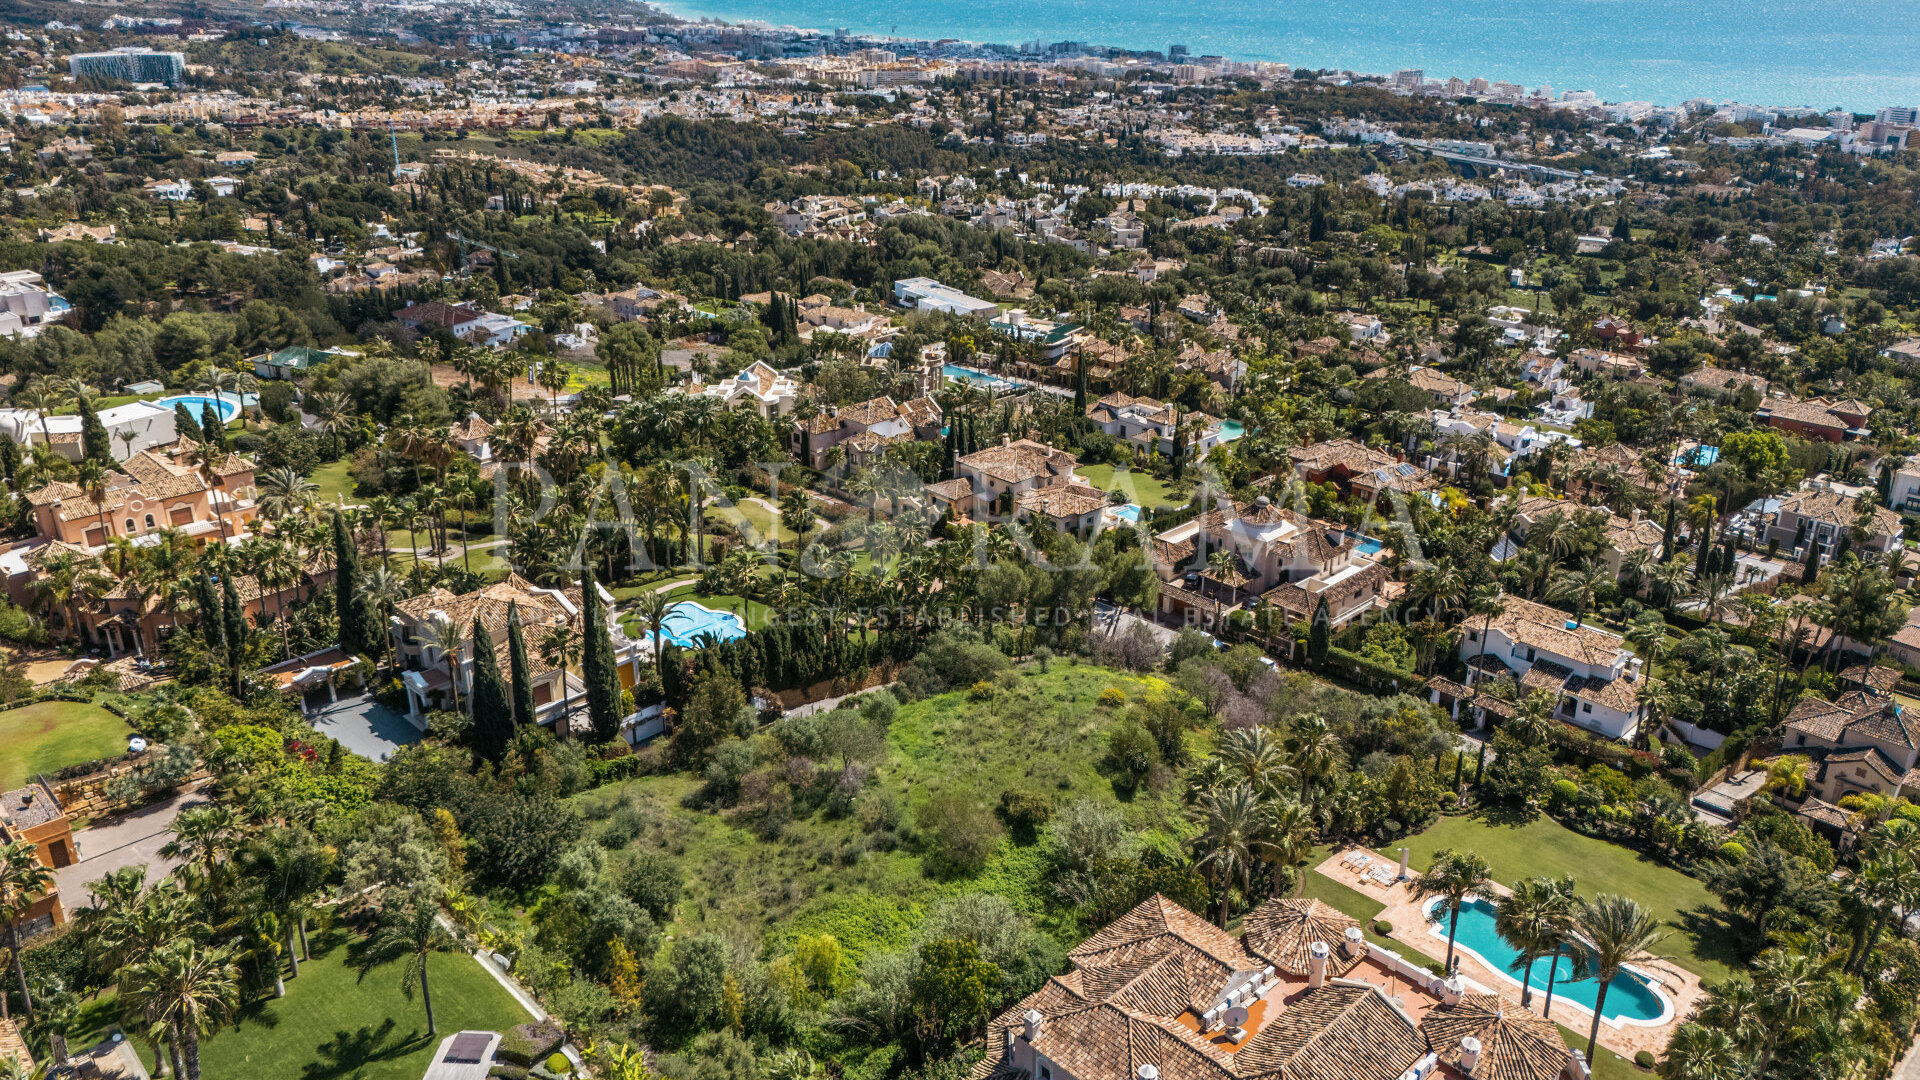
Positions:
(1859, 55)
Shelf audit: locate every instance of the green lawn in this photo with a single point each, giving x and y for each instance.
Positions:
(1696, 938)
(335, 479)
(824, 874)
(1139, 485)
(53, 735)
(331, 1024)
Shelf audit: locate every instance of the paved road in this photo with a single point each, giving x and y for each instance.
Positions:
(132, 839)
(1909, 1067)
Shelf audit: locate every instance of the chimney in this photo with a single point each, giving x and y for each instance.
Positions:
(1317, 964)
(1637, 512)
(1469, 1054)
(1006, 439)
(1147, 1072)
(1034, 1022)
(1356, 942)
(1452, 989)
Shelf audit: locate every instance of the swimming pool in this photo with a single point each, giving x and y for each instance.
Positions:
(227, 407)
(1630, 997)
(1368, 545)
(1126, 512)
(977, 378)
(1231, 430)
(688, 620)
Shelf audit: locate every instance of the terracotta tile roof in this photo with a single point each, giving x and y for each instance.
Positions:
(1546, 628)
(1022, 460)
(868, 413)
(537, 608)
(1855, 715)
(1620, 695)
(1811, 413)
(955, 490)
(1281, 930)
(1341, 453)
(1882, 679)
(1515, 1043)
(1062, 500)
(1825, 813)
(1837, 509)
(1342, 1031)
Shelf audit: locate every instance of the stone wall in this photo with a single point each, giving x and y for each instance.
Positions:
(85, 797)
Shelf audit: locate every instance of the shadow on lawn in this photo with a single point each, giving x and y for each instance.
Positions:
(348, 1052)
(1716, 935)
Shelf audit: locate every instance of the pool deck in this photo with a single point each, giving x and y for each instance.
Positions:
(1411, 928)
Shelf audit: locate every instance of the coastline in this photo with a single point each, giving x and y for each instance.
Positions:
(1643, 54)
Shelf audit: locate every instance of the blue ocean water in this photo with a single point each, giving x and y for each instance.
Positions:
(1856, 54)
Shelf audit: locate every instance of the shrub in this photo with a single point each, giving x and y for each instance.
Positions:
(980, 691)
(557, 1063)
(1733, 851)
(1383, 928)
(525, 1044)
(1644, 1059)
(1131, 754)
(1113, 697)
(1024, 813)
(960, 833)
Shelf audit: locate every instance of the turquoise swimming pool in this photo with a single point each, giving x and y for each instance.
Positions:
(1630, 999)
(1126, 512)
(688, 620)
(1231, 430)
(226, 407)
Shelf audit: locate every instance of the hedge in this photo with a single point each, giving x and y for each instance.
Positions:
(1372, 673)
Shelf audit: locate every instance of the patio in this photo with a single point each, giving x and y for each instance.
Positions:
(365, 726)
(1377, 878)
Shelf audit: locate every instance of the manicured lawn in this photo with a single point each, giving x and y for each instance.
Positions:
(762, 523)
(332, 1024)
(1139, 485)
(52, 735)
(1695, 940)
(336, 480)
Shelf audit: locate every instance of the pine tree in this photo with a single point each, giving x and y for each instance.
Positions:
(487, 698)
(522, 672)
(95, 443)
(1320, 637)
(596, 663)
(1622, 228)
(354, 638)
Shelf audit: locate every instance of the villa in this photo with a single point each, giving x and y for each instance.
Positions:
(1149, 425)
(1594, 679)
(1863, 742)
(1285, 558)
(991, 481)
(865, 429)
(1358, 469)
(425, 677)
(1162, 994)
(1819, 514)
(759, 387)
(131, 428)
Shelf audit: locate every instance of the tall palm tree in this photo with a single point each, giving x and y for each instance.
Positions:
(382, 590)
(189, 989)
(654, 609)
(1887, 885)
(283, 491)
(1533, 919)
(203, 837)
(22, 882)
(333, 412)
(42, 396)
(410, 930)
(561, 647)
(1620, 931)
(1579, 585)
(1233, 836)
(1453, 877)
(448, 635)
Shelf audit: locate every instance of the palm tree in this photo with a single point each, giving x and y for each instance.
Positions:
(283, 491)
(189, 990)
(334, 413)
(1233, 836)
(1887, 885)
(653, 609)
(1533, 919)
(1620, 931)
(204, 836)
(1485, 603)
(560, 646)
(381, 590)
(40, 395)
(1579, 585)
(410, 930)
(1453, 877)
(22, 882)
(447, 636)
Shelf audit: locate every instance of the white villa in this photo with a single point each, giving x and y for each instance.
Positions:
(1594, 678)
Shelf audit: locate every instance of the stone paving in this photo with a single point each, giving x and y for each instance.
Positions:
(1410, 928)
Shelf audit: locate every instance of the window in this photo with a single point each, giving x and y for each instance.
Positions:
(149, 521)
(1800, 740)
(129, 526)
(1046, 1073)
(1586, 706)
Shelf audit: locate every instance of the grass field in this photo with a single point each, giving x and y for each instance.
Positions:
(1139, 485)
(53, 735)
(1696, 937)
(332, 1024)
(823, 874)
(336, 481)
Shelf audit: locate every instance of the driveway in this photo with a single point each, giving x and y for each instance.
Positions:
(366, 727)
(130, 839)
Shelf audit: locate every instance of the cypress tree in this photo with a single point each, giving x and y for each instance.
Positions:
(213, 627)
(346, 593)
(1667, 538)
(1701, 548)
(9, 459)
(184, 425)
(522, 671)
(210, 427)
(596, 663)
(1811, 572)
(1320, 637)
(235, 623)
(487, 698)
(1842, 546)
(1480, 765)
(95, 443)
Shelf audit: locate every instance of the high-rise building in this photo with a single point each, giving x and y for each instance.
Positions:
(132, 63)
(1177, 52)
(1906, 115)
